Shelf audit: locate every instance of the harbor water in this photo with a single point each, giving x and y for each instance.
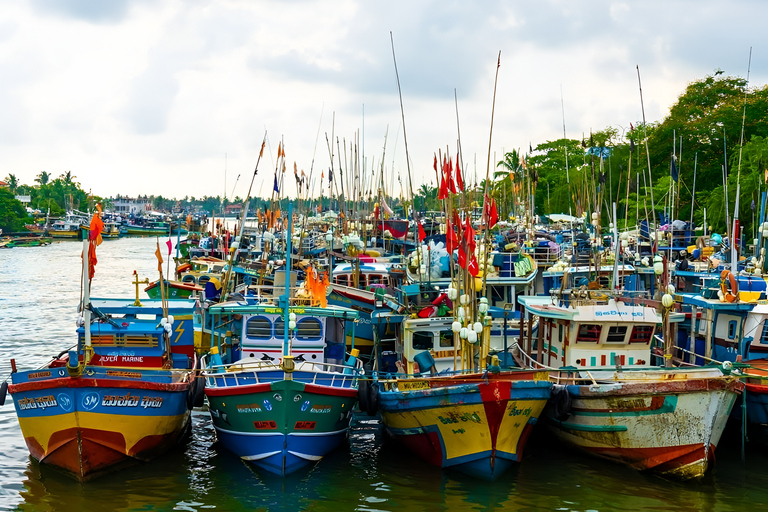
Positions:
(39, 290)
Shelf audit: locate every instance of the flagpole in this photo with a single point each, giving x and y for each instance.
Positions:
(407, 154)
(648, 156)
(487, 173)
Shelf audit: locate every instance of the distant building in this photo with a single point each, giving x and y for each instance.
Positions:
(127, 205)
(233, 209)
(3, 184)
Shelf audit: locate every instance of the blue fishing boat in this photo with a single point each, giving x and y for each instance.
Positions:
(280, 388)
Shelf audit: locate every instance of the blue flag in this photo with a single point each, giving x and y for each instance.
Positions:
(275, 187)
(673, 169)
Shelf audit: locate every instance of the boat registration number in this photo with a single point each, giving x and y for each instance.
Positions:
(412, 385)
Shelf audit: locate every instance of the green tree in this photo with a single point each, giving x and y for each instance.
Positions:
(13, 182)
(706, 124)
(43, 178)
(13, 216)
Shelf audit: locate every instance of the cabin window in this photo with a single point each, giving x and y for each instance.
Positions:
(188, 279)
(446, 339)
(309, 329)
(342, 280)
(560, 332)
(732, 329)
(279, 328)
(422, 340)
(375, 279)
(764, 337)
(589, 333)
(203, 279)
(641, 334)
(616, 334)
(259, 327)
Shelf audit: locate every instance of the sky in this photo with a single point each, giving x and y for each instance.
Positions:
(174, 98)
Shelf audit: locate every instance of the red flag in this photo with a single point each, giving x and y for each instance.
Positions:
(448, 168)
(472, 267)
(457, 222)
(434, 164)
(170, 245)
(443, 192)
(462, 256)
(494, 215)
(469, 236)
(451, 241)
(422, 233)
(459, 180)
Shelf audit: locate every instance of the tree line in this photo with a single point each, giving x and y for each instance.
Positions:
(716, 130)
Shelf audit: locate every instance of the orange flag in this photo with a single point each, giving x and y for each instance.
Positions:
(159, 258)
(97, 225)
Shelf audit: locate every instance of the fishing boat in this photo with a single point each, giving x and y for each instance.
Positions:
(122, 394)
(280, 389)
(475, 420)
(172, 289)
(148, 228)
(611, 402)
(111, 230)
(73, 226)
(24, 241)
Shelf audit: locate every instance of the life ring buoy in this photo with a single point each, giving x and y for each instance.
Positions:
(731, 288)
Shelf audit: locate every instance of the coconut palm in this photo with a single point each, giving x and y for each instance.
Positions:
(13, 182)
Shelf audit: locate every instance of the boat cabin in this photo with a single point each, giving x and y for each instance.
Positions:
(256, 332)
(126, 335)
(591, 335)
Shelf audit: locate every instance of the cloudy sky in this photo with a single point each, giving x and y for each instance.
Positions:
(173, 98)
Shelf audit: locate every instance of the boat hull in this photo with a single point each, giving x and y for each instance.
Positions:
(172, 289)
(476, 424)
(280, 425)
(88, 426)
(671, 425)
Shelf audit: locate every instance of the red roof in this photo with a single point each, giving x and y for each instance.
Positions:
(4, 184)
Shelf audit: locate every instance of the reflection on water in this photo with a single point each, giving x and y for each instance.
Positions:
(40, 288)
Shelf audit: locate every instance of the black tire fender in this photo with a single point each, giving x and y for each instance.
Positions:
(373, 399)
(561, 402)
(363, 386)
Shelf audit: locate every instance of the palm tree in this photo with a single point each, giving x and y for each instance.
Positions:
(13, 182)
(68, 178)
(43, 178)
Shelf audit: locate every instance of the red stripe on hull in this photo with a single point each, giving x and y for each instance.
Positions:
(495, 396)
(237, 390)
(259, 388)
(664, 460)
(330, 390)
(80, 382)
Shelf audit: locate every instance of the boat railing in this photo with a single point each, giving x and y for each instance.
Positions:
(258, 372)
(547, 254)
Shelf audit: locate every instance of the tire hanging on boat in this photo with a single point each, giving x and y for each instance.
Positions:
(363, 385)
(373, 399)
(561, 402)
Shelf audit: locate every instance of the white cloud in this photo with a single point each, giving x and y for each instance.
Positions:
(138, 97)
